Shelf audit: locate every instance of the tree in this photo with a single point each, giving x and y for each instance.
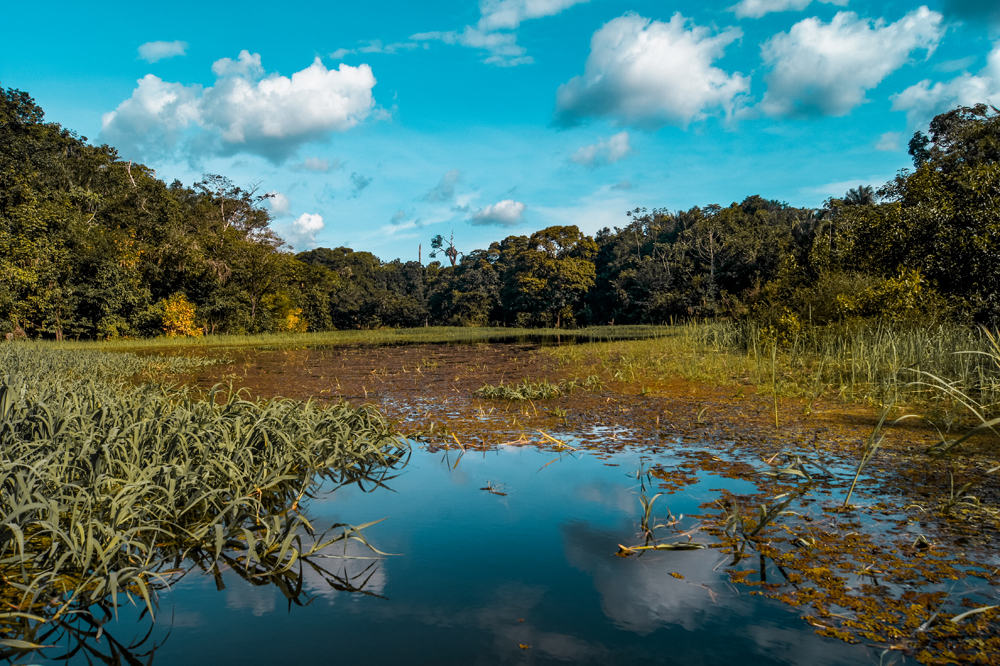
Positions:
(943, 219)
(438, 245)
(547, 274)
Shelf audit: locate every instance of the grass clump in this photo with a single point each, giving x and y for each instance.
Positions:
(528, 390)
(106, 488)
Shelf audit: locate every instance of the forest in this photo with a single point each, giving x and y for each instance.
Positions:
(96, 247)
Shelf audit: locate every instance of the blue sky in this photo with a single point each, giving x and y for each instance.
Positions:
(381, 124)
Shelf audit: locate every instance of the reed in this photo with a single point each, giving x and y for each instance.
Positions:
(868, 362)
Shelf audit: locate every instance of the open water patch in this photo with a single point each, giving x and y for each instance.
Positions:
(504, 556)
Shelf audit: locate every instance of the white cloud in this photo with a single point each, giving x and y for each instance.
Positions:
(501, 47)
(317, 165)
(496, 17)
(398, 217)
(506, 213)
(923, 101)
(826, 68)
(375, 46)
(304, 230)
(606, 151)
(445, 190)
(508, 14)
(157, 51)
(888, 142)
(758, 8)
(279, 204)
(648, 74)
(624, 185)
(245, 111)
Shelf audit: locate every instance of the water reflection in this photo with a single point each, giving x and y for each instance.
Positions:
(480, 575)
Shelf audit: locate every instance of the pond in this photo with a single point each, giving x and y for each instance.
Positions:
(503, 556)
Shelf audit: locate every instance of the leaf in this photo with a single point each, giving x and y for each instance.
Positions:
(21, 645)
(974, 611)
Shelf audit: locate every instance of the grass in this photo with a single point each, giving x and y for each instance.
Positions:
(542, 390)
(871, 363)
(381, 336)
(107, 487)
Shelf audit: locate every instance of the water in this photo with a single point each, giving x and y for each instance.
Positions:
(479, 574)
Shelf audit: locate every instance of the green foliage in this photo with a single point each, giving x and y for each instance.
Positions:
(107, 486)
(944, 218)
(91, 246)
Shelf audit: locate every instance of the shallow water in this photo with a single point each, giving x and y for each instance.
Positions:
(478, 574)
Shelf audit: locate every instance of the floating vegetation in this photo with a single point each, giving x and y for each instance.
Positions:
(542, 390)
(107, 489)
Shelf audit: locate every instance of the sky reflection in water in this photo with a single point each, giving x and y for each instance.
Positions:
(474, 564)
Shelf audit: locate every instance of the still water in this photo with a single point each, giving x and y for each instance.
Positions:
(476, 575)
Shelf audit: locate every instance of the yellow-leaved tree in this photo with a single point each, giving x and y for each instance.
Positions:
(178, 317)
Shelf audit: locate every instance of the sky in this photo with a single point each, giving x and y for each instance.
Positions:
(377, 125)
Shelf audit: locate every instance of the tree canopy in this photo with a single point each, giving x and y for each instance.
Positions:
(92, 246)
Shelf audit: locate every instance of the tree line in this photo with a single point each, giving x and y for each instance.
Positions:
(92, 246)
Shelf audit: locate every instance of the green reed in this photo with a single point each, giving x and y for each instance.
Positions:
(106, 487)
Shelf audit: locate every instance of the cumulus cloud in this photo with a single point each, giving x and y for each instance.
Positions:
(506, 213)
(358, 183)
(606, 151)
(889, 142)
(317, 165)
(398, 217)
(826, 68)
(494, 35)
(157, 51)
(758, 8)
(445, 190)
(648, 74)
(245, 111)
(279, 204)
(924, 100)
(304, 230)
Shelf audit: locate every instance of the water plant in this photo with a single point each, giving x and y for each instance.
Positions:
(528, 390)
(107, 488)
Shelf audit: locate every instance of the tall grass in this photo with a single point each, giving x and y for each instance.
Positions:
(869, 361)
(106, 487)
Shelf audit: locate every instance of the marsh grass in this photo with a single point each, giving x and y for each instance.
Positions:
(866, 362)
(542, 390)
(381, 336)
(106, 488)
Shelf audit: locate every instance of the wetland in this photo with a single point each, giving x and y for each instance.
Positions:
(481, 502)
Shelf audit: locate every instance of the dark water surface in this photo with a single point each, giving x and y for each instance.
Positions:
(479, 574)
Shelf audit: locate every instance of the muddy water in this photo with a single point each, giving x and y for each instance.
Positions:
(507, 556)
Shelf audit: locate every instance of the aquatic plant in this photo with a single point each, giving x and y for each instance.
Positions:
(528, 390)
(107, 488)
